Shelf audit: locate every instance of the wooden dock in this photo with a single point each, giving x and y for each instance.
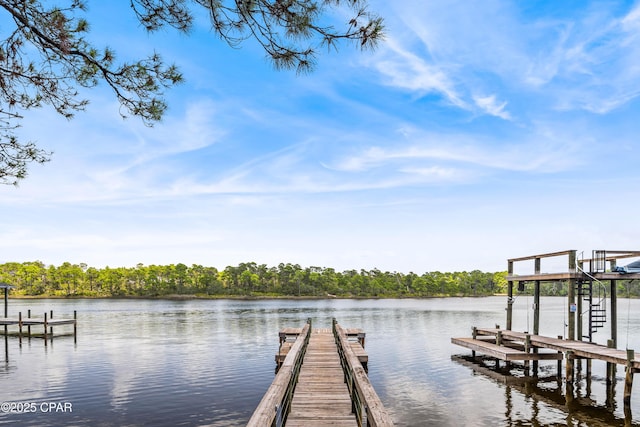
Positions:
(47, 322)
(509, 346)
(321, 397)
(576, 349)
(321, 381)
(289, 335)
(502, 352)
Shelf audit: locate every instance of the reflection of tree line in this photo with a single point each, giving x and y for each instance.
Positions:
(246, 279)
(552, 391)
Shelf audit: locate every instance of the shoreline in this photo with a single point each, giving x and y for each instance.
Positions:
(180, 297)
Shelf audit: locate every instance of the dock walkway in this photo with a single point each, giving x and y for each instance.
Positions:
(321, 381)
(321, 397)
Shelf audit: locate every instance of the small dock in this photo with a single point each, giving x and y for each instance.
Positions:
(592, 294)
(510, 345)
(321, 381)
(46, 322)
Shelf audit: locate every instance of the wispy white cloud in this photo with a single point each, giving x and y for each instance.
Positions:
(408, 71)
(491, 106)
(484, 104)
(542, 152)
(587, 60)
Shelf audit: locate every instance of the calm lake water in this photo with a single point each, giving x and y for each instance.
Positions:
(208, 363)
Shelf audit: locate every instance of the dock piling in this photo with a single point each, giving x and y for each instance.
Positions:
(45, 328)
(628, 379)
(20, 327)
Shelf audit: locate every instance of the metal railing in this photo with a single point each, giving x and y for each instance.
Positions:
(365, 403)
(276, 403)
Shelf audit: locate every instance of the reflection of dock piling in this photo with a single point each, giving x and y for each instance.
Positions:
(583, 408)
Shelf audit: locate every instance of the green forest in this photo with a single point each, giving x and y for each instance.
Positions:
(247, 279)
(256, 280)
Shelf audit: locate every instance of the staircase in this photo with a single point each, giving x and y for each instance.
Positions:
(594, 293)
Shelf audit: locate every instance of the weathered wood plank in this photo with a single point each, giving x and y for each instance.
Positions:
(265, 413)
(502, 352)
(377, 415)
(36, 321)
(580, 349)
(321, 397)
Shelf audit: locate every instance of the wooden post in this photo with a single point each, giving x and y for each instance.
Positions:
(6, 308)
(628, 379)
(536, 308)
(579, 310)
(45, 328)
(569, 366)
(20, 327)
(559, 363)
(509, 296)
(474, 335)
(571, 297)
(527, 349)
(614, 311)
(611, 373)
(29, 326)
(499, 338)
(75, 325)
(613, 291)
(51, 328)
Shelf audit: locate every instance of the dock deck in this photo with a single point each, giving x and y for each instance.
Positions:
(47, 322)
(321, 381)
(321, 397)
(509, 346)
(502, 352)
(578, 349)
(508, 350)
(288, 336)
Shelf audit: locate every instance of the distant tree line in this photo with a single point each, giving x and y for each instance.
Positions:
(246, 279)
(256, 280)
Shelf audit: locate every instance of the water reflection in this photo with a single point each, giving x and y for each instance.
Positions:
(140, 362)
(550, 391)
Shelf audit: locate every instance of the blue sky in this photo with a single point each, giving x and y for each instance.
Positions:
(477, 132)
